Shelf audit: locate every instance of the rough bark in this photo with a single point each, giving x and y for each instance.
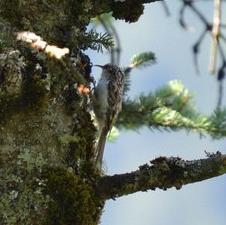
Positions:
(47, 136)
(162, 173)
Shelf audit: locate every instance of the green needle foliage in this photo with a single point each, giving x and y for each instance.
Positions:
(138, 61)
(142, 60)
(218, 120)
(170, 108)
(96, 41)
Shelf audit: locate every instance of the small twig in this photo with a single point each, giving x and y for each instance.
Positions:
(181, 17)
(220, 94)
(220, 77)
(166, 8)
(221, 51)
(196, 50)
(109, 32)
(215, 35)
(117, 49)
(213, 28)
(114, 51)
(199, 14)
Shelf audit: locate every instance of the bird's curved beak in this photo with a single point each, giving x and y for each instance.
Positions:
(102, 67)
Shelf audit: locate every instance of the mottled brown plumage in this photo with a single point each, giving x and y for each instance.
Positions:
(107, 103)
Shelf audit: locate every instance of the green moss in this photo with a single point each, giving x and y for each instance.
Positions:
(54, 20)
(21, 200)
(73, 201)
(21, 86)
(222, 170)
(67, 139)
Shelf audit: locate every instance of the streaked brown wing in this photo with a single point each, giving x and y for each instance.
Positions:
(115, 86)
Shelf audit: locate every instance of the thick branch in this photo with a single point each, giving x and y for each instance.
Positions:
(162, 173)
(149, 1)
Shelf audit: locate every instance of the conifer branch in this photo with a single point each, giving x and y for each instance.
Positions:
(171, 108)
(138, 61)
(143, 59)
(162, 173)
(96, 41)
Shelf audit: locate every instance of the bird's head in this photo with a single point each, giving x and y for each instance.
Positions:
(107, 68)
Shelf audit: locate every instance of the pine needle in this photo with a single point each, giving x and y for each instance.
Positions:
(142, 60)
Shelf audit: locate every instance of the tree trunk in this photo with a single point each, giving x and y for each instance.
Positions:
(47, 137)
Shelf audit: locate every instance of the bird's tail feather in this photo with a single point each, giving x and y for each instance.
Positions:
(100, 146)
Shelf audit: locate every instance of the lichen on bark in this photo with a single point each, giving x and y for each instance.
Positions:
(47, 135)
(39, 107)
(35, 118)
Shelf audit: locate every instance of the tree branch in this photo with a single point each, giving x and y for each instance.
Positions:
(171, 108)
(162, 173)
(149, 1)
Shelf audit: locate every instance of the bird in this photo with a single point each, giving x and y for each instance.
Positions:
(107, 103)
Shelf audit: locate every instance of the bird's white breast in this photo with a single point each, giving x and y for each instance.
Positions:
(102, 94)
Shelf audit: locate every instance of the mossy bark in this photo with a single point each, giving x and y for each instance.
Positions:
(47, 136)
(162, 173)
(47, 145)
